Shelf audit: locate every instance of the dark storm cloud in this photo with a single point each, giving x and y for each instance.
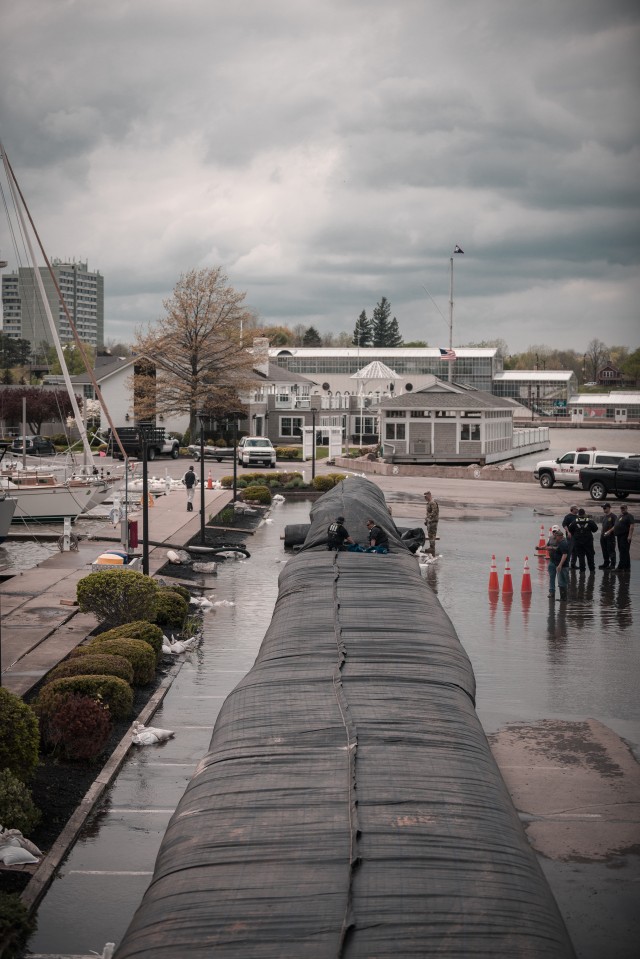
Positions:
(328, 153)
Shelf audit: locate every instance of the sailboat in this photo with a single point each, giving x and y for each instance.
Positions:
(7, 509)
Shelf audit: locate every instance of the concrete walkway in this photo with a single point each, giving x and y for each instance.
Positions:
(39, 626)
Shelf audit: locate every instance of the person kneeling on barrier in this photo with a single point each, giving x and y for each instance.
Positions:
(337, 535)
(378, 539)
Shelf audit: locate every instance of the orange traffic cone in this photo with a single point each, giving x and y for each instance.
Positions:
(210, 481)
(494, 582)
(526, 577)
(542, 543)
(507, 585)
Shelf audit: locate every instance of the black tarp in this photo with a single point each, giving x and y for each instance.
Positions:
(349, 804)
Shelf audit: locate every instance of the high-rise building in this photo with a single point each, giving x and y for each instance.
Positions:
(24, 315)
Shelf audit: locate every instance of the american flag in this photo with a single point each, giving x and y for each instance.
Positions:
(447, 354)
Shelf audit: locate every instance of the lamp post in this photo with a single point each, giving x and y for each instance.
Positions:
(201, 418)
(313, 445)
(144, 435)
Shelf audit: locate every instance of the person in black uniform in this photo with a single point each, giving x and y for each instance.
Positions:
(378, 539)
(582, 530)
(624, 534)
(337, 535)
(607, 539)
(566, 523)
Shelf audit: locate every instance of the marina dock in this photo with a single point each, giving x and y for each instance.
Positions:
(39, 623)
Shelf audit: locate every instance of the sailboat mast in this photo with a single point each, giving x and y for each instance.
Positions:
(47, 309)
(15, 189)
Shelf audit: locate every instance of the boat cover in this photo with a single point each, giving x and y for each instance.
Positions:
(349, 805)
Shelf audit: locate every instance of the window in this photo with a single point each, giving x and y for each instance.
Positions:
(395, 415)
(470, 431)
(395, 431)
(420, 414)
(291, 425)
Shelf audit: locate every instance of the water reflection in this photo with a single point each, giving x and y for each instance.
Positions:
(557, 633)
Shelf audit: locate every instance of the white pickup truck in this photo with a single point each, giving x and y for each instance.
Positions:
(566, 468)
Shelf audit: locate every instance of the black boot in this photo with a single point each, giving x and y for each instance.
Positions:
(563, 595)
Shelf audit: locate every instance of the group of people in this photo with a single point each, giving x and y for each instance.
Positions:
(338, 538)
(571, 545)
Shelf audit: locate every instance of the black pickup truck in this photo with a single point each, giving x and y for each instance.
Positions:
(132, 439)
(621, 481)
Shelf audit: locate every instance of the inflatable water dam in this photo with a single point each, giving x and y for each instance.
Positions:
(349, 804)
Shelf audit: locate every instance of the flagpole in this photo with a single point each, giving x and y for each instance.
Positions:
(451, 317)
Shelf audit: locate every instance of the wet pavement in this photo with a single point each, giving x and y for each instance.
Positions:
(535, 661)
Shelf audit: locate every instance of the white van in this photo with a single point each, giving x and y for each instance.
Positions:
(566, 468)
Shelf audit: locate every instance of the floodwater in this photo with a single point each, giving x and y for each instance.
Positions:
(533, 658)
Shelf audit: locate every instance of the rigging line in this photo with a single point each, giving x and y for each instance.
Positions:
(72, 325)
(435, 304)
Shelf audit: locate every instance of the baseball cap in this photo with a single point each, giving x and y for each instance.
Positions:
(624, 506)
(607, 506)
(556, 529)
(339, 519)
(581, 512)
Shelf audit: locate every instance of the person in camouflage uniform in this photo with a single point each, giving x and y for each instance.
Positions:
(431, 521)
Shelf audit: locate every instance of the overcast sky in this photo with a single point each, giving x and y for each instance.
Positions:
(327, 153)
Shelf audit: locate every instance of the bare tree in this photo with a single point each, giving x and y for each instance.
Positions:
(596, 355)
(193, 357)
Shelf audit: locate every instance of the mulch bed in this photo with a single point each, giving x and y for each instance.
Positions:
(59, 786)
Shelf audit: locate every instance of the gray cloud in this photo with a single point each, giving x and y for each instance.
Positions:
(330, 153)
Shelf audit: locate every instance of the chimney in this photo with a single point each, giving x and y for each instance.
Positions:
(261, 355)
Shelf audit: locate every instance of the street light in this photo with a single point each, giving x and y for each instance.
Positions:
(144, 436)
(201, 417)
(313, 445)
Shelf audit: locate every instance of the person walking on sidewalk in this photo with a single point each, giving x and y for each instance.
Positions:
(558, 563)
(189, 480)
(607, 538)
(431, 521)
(624, 534)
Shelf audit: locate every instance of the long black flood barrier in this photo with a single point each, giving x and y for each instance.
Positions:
(349, 805)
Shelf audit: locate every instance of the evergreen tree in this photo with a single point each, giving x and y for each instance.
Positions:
(382, 331)
(395, 339)
(312, 337)
(362, 331)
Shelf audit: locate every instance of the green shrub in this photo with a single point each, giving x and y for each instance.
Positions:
(79, 728)
(181, 591)
(291, 477)
(118, 596)
(336, 477)
(98, 664)
(226, 482)
(258, 494)
(136, 651)
(296, 484)
(171, 609)
(114, 692)
(19, 736)
(17, 809)
(59, 439)
(16, 925)
(141, 629)
(289, 452)
(323, 483)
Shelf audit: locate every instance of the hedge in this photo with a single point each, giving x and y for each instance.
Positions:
(17, 809)
(140, 629)
(117, 596)
(98, 664)
(111, 690)
(19, 735)
(140, 654)
(171, 609)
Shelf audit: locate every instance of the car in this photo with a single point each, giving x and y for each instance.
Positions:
(255, 450)
(35, 446)
(218, 453)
